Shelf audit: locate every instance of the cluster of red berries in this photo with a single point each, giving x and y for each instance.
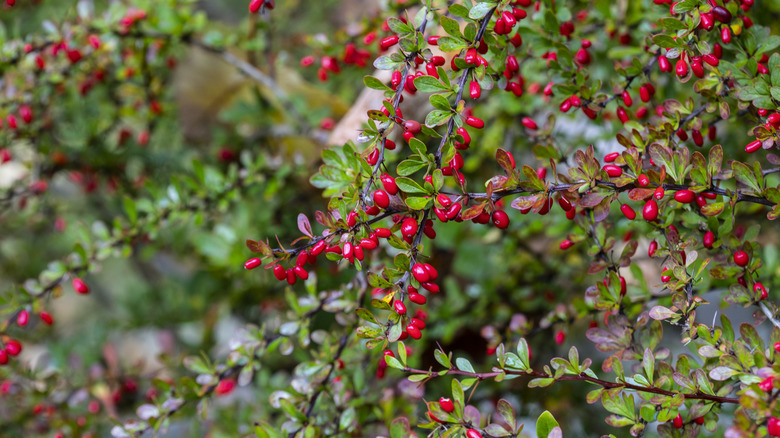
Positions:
(11, 348)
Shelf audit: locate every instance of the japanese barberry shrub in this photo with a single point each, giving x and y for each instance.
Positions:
(570, 178)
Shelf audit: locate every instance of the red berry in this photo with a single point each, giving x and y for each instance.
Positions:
(741, 258)
(500, 219)
(529, 123)
(475, 91)
(659, 193)
(678, 421)
(412, 126)
(79, 286)
(388, 42)
(300, 272)
(753, 146)
(253, 263)
(22, 318)
(721, 14)
(3, 357)
(610, 158)
(684, 196)
(627, 101)
(413, 331)
(420, 273)
(628, 212)
(766, 385)
(681, 67)
(26, 113)
(623, 287)
(643, 180)
(46, 318)
(699, 420)
(475, 122)
(446, 404)
(650, 211)
(473, 433)
(560, 337)
(280, 273)
(417, 298)
(652, 248)
(566, 244)
(613, 171)
(757, 288)
(389, 184)
(399, 307)
(709, 239)
(255, 5)
(409, 227)
(773, 427)
(777, 347)
(381, 199)
(725, 35)
(13, 347)
(663, 64)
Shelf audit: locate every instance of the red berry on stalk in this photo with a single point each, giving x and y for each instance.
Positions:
(663, 64)
(409, 227)
(280, 273)
(473, 433)
(417, 298)
(253, 263)
(650, 211)
(627, 101)
(446, 404)
(529, 123)
(475, 122)
(659, 193)
(412, 126)
(413, 331)
(628, 212)
(255, 5)
(753, 146)
(46, 318)
(389, 184)
(643, 180)
(610, 158)
(757, 288)
(725, 35)
(420, 273)
(613, 171)
(721, 14)
(399, 307)
(678, 421)
(79, 286)
(300, 272)
(741, 258)
(500, 219)
(681, 67)
(684, 196)
(623, 287)
(475, 91)
(22, 318)
(13, 347)
(381, 199)
(388, 42)
(709, 239)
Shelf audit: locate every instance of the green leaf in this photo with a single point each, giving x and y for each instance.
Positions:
(376, 84)
(744, 175)
(385, 63)
(408, 185)
(418, 203)
(429, 84)
(437, 117)
(398, 26)
(440, 102)
(665, 41)
(545, 424)
(451, 44)
(402, 352)
(408, 167)
(451, 26)
(480, 10)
